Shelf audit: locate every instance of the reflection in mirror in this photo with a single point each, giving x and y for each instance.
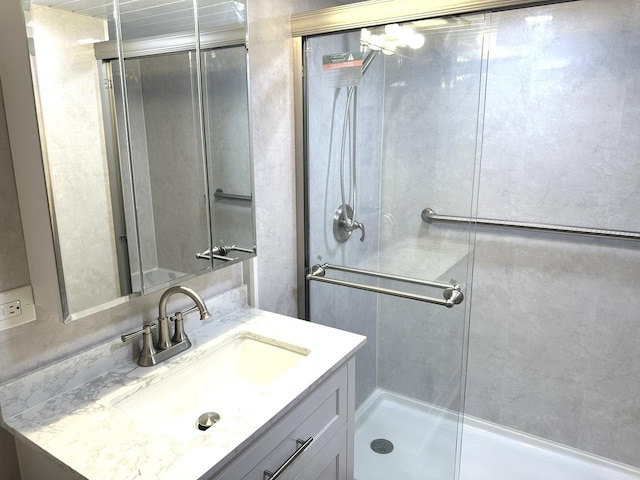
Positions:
(140, 125)
(228, 140)
(166, 167)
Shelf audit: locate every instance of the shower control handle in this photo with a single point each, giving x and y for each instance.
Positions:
(344, 224)
(360, 226)
(351, 225)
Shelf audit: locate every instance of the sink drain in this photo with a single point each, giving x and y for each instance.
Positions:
(382, 445)
(207, 420)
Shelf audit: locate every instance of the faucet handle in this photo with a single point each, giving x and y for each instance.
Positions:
(179, 336)
(147, 328)
(147, 356)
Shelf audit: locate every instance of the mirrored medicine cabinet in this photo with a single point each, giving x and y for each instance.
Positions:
(144, 129)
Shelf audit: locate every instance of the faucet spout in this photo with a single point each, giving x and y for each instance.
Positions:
(189, 292)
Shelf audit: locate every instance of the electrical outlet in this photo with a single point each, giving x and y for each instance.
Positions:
(9, 310)
(16, 307)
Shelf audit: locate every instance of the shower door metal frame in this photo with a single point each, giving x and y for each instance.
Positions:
(378, 12)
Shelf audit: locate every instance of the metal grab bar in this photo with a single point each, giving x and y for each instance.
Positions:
(219, 194)
(429, 216)
(451, 291)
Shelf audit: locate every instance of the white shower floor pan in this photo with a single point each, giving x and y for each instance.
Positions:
(424, 443)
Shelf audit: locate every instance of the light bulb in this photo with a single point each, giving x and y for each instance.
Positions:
(393, 30)
(416, 41)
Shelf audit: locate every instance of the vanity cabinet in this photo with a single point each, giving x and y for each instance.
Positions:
(299, 426)
(323, 421)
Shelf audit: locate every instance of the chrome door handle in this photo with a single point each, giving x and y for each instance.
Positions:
(302, 446)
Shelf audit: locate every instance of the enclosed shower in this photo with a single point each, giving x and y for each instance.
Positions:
(493, 161)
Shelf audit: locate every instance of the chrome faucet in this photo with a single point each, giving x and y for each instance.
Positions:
(163, 321)
(167, 347)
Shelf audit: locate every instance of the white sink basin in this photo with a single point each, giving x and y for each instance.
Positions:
(222, 381)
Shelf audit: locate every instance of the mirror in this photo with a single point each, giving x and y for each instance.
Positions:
(144, 127)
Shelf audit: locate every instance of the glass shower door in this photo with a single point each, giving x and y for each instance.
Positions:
(392, 119)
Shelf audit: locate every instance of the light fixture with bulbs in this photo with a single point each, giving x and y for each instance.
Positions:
(394, 36)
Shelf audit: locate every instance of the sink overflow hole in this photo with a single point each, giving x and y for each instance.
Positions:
(382, 445)
(207, 420)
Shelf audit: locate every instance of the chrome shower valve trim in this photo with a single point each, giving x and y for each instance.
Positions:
(344, 224)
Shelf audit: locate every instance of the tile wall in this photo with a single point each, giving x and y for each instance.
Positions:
(553, 317)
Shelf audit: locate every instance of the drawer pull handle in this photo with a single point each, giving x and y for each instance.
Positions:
(302, 446)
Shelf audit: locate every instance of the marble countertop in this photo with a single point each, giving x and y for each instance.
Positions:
(83, 428)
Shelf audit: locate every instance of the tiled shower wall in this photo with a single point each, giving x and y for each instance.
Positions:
(554, 323)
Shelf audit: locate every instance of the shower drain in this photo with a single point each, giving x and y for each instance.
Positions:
(382, 445)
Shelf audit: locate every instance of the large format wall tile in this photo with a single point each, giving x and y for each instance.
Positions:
(553, 317)
(560, 146)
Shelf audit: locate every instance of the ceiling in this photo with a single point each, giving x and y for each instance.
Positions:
(143, 18)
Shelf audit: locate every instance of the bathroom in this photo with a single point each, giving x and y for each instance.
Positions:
(272, 96)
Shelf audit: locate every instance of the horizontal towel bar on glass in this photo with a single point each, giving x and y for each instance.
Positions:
(451, 291)
(430, 216)
(219, 194)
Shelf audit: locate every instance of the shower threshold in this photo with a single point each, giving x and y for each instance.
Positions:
(424, 444)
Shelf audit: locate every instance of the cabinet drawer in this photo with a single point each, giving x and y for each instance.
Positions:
(319, 416)
(329, 464)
